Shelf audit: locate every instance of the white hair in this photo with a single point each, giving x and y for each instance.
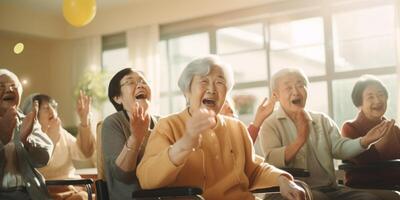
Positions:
(14, 78)
(202, 66)
(287, 71)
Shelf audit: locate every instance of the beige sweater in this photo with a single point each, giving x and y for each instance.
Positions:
(225, 166)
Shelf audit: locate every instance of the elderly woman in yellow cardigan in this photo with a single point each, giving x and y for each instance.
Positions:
(201, 148)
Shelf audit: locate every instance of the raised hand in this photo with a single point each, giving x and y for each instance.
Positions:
(301, 123)
(201, 121)
(83, 108)
(28, 122)
(264, 110)
(290, 190)
(7, 124)
(375, 134)
(139, 119)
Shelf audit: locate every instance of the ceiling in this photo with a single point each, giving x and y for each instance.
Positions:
(55, 6)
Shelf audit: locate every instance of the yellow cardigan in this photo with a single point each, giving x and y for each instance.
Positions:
(224, 166)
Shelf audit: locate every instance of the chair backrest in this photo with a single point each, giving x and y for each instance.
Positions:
(101, 184)
(100, 159)
(101, 190)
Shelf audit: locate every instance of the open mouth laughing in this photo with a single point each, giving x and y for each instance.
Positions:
(9, 97)
(296, 102)
(140, 95)
(209, 102)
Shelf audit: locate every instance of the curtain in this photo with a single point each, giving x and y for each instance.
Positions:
(142, 43)
(70, 59)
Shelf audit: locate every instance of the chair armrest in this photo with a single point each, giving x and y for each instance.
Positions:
(347, 166)
(296, 172)
(274, 189)
(168, 192)
(70, 182)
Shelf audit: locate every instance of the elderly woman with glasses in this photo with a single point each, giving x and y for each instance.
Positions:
(124, 133)
(199, 147)
(66, 147)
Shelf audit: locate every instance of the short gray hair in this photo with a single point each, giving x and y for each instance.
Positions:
(201, 66)
(13, 77)
(284, 72)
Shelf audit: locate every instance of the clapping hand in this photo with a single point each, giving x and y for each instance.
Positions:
(7, 124)
(264, 110)
(140, 119)
(28, 122)
(201, 121)
(375, 134)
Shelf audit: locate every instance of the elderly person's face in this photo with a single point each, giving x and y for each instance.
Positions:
(9, 94)
(134, 88)
(47, 112)
(291, 92)
(208, 91)
(374, 102)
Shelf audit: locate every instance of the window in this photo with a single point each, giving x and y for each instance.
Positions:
(364, 38)
(114, 58)
(333, 48)
(176, 53)
(298, 43)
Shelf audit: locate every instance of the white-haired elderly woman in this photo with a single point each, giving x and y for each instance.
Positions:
(295, 137)
(199, 147)
(20, 151)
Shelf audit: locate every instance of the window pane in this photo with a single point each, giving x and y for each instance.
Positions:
(364, 38)
(240, 38)
(115, 59)
(184, 49)
(310, 59)
(343, 106)
(358, 54)
(163, 103)
(247, 101)
(298, 43)
(247, 67)
(317, 99)
(164, 83)
(178, 103)
(296, 33)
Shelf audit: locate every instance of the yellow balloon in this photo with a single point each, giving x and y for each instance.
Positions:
(79, 12)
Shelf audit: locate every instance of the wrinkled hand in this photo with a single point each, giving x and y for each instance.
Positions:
(290, 190)
(83, 108)
(301, 123)
(201, 121)
(28, 122)
(375, 134)
(140, 119)
(264, 110)
(7, 124)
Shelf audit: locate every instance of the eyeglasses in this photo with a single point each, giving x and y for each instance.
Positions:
(4, 86)
(133, 82)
